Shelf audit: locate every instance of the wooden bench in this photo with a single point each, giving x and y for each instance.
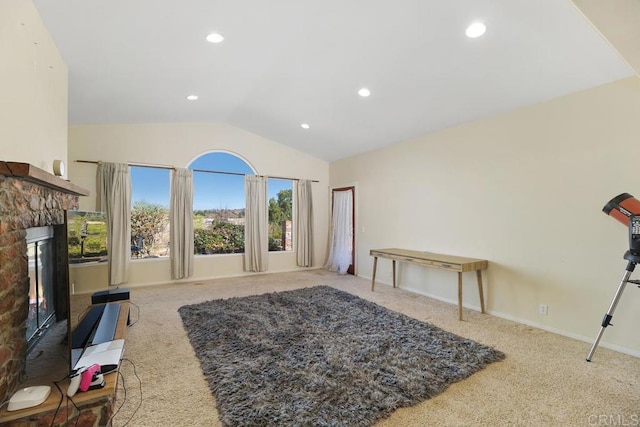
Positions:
(433, 260)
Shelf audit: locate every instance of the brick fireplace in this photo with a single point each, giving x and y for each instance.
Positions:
(29, 197)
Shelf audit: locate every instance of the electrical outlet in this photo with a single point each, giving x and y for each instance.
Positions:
(543, 309)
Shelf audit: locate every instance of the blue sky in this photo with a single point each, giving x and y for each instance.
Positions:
(211, 191)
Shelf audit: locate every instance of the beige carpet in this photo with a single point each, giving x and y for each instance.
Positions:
(544, 380)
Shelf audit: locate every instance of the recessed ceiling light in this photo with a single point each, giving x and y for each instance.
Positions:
(476, 30)
(214, 38)
(305, 126)
(192, 97)
(364, 92)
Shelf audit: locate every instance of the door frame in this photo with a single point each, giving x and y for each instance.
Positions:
(350, 187)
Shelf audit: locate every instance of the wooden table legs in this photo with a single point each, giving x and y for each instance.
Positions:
(459, 295)
(480, 292)
(393, 264)
(478, 276)
(375, 266)
(373, 278)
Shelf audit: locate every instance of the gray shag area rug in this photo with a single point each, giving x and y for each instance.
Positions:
(320, 356)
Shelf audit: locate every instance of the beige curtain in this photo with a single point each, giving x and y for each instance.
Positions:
(256, 249)
(304, 224)
(181, 223)
(114, 198)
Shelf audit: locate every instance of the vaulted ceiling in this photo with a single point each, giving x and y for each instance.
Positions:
(284, 63)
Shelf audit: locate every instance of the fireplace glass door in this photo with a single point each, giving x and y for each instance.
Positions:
(40, 253)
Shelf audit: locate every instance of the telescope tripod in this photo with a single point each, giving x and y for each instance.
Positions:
(633, 259)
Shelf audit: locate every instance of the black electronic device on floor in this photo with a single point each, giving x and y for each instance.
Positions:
(86, 326)
(112, 295)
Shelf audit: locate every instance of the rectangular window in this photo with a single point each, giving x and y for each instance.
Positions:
(149, 212)
(87, 236)
(280, 214)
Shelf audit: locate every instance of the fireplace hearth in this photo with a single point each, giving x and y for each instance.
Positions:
(29, 198)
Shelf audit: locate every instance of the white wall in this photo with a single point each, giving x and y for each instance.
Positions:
(177, 145)
(524, 190)
(33, 89)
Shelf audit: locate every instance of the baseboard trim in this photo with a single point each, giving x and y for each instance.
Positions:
(568, 334)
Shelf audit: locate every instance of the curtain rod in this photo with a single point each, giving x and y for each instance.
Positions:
(149, 165)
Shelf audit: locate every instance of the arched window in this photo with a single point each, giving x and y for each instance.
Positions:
(219, 202)
(219, 205)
